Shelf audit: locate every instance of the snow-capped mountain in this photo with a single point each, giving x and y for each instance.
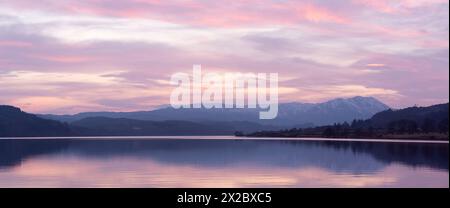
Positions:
(337, 110)
(289, 114)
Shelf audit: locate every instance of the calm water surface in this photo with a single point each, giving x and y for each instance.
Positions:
(220, 162)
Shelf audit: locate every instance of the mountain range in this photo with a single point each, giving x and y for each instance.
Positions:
(169, 121)
(16, 123)
(289, 115)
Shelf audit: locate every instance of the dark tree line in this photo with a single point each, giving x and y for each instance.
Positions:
(411, 127)
(361, 128)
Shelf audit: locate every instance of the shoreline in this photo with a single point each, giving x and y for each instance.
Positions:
(231, 138)
(425, 137)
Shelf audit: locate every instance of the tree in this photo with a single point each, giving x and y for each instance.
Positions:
(358, 132)
(392, 127)
(428, 125)
(354, 123)
(443, 125)
(402, 125)
(329, 132)
(411, 127)
(370, 131)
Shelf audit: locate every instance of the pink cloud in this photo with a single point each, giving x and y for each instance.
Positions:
(66, 59)
(200, 13)
(14, 43)
(317, 14)
(309, 43)
(398, 6)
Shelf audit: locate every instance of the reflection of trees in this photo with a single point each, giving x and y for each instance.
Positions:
(13, 151)
(220, 152)
(413, 154)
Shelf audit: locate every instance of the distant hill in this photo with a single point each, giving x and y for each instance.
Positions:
(289, 115)
(102, 126)
(14, 122)
(420, 115)
(415, 122)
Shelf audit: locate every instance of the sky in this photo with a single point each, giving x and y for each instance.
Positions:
(70, 56)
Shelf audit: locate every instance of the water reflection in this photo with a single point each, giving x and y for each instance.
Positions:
(220, 163)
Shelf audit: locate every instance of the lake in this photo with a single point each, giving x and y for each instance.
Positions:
(220, 162)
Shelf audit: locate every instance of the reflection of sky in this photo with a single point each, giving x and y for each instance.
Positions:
(231, 153)
(224, 163)
(74, 171)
